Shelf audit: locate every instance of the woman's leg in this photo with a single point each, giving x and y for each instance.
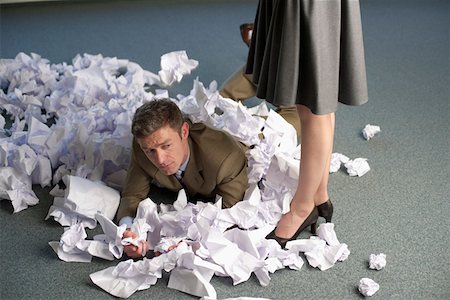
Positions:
(322, 192)
(317, 141)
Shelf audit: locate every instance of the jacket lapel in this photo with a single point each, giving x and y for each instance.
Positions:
(170, 182)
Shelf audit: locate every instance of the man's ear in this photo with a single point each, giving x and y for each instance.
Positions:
(184, 130)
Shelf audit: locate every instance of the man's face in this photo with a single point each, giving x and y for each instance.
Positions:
(165, 148)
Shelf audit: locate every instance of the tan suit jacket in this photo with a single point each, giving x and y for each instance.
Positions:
(239, 87)
(217, 165)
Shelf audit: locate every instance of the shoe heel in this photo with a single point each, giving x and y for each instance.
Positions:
(314, 228)
(326, 210)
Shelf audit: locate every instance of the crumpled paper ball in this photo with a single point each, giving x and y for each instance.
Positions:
(167, 244)
(368, 287)
(357, 167)
(370, 130)
(377, 262)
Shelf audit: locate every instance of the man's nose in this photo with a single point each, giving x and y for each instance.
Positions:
(160, 157)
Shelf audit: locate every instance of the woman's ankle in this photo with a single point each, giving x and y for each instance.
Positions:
(321, 198)
(302, 210)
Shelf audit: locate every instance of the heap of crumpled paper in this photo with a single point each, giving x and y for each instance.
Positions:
(78, 118)
(194, 245)
(72, 119)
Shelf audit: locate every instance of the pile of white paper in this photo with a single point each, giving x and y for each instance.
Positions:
(202, 247)
(78, 119)
(73, 121)
(77, 116)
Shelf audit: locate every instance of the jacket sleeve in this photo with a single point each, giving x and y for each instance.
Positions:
(232, 181)
(136, 189)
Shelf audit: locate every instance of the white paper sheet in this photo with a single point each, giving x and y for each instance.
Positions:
(369, 131)
(174, 66)
(112, 235)
(16, 186)
(368, 287)
(130, 276)
(191, 282)
(337, 159)
(70, 248)
(116, 285)
(377, 261)
(326, 232)
(83, 200)
(357, 167)
(322, 251)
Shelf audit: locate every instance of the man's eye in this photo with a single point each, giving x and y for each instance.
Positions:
(167, 146)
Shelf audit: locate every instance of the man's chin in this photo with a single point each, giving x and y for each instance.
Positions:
(167, 172)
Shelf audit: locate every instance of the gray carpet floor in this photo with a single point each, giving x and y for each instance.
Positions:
(401, 207)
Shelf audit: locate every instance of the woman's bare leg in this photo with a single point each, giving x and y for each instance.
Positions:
(317, 141)
(322, 192)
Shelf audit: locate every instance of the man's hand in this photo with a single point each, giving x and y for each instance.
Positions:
(132, 250)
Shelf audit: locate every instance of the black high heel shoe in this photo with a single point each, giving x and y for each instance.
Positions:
(310, 220)
(325, 211)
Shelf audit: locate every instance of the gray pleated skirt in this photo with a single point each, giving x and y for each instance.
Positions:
(308, 52)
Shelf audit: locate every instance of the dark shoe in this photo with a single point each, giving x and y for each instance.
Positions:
(246, 32)
(325, 211)
(310, 220)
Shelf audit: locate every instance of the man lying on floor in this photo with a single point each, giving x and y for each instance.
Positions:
(173, 153)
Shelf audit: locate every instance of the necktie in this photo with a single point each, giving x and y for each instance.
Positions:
(179, 175)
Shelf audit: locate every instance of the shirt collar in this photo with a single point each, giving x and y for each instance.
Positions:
(184, 165)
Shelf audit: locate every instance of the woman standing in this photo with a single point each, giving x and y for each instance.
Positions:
(309, 53)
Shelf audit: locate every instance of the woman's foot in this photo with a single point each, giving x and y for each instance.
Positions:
(246, 32)
(289, 228)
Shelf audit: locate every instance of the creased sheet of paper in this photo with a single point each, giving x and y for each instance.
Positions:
(377, 261)
(174, 65)
(322, 251)
(16, 186)
(326, 232)
(276, 123)
(71, 248)
(368, 287)
(357, 167)
(112, 283)
(369, 131)
(191, 282)
(337, 159)
(236, 263)
(74, 246)
(130, 276)
(83, 200)
(206, 105)
(148, 211)
(112, 236)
